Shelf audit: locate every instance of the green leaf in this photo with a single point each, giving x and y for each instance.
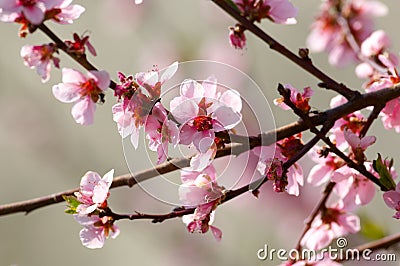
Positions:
(73, 203)
(233, 5)
(386, 178)
(370, 229)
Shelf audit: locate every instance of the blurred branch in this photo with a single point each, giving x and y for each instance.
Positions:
(264, 139)
(304, 63)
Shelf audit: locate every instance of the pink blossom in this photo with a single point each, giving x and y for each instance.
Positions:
(93, 191)
(392, 200)
(199, 187)
(202, 111)
(96, 230)
(237, 39)
(133, 112)
(79, 44)
(84, 91)
(278, 11)
(201, 221)
(375, 43)
(352, 187)
(331, 223)
(35, 11)
(328, 34)
(161, 131)
(39, 57)
(357, 143)
(300, 100)
(325, 167)
(270, 164)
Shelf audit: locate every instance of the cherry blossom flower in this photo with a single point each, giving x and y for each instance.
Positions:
(325, 167)
(202, 111)
(96, 230)
(270, 164)
(78, 45)
(328, 34)
(93, 191)
(300, 100)
(199, 187)
(278, 11)
(333, 222)
(352, 187)
(237, 39)
(357, 144)
(35, 11)
(39, 57)
(84, 91)
(161, 131)
(201, 221)
(131, 114)
(392, 200)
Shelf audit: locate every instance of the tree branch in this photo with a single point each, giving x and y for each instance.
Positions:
(305, 64)
(265, 139)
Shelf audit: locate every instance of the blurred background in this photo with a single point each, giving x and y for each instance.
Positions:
(44, 151)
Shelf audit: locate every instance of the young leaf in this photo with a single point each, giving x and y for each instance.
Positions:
(386, 178)
(73, 203)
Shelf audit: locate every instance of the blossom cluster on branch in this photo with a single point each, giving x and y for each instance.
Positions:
(205, 115)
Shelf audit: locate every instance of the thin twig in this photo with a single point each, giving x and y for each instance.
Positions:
(305, 64)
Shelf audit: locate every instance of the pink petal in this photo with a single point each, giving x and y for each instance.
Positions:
(66, 93)
(69, 14)
(169, 72)
(367, 141)
(392, 199)
(217, 233)
(100, 192)
(86, 220)
(351, 138)
(232, 99)
(102, 78)
(319, 175)
(34, 14)
(227, 117)
(135, 137)
(83, 111)
(203, 140)
(192, 89)
(92, 237)
(72, 76)
(89, 181)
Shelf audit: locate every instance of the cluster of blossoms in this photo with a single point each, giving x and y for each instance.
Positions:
(277, 11)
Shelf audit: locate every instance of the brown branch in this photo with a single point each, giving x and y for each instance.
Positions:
(268, 138)
(304, 63)
(382, 243)
(82, 60)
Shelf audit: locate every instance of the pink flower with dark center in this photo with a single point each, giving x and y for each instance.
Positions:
(36, 11)
(333, 222)
(392, 200)
(96, 230)
(202, 111)
(300, 100)
(39, 57)
(278, 11)
(199, 187)
(79, 44)
(133, 112)
(358, 145)
(93, 191)
(326, 165)
(201, 221)
(84, 91)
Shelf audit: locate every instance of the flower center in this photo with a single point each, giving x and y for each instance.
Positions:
(202, 123)
(27, 2)
(90, 88)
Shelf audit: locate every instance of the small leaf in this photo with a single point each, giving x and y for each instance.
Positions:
(73, 203)
(386, 178)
